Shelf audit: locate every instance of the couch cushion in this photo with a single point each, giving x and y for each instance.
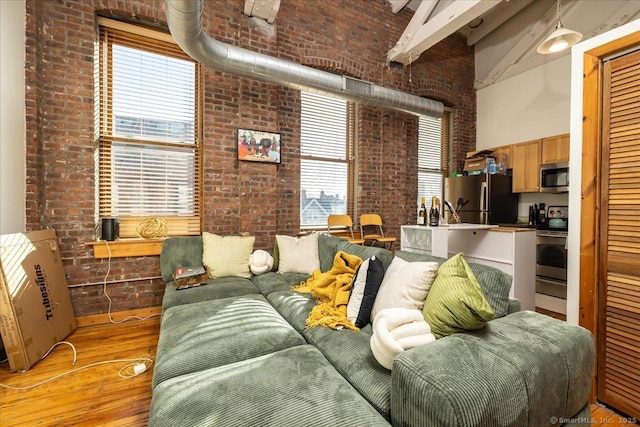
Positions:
(203, 335)
(520, 370)
(495, 283)
(227, 256)
(274, 282)
(179, 252)
(224, 287)
(365, 252)
(327, 250)
(455, 302)
(293, 306)
(349, 352)
(298, 254)
(292, 387)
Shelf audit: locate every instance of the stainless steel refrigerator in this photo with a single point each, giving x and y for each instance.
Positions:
(490, 199)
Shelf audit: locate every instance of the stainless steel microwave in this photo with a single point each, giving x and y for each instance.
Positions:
(554, 177)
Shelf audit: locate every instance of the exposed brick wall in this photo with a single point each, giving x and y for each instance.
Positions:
(262, 199)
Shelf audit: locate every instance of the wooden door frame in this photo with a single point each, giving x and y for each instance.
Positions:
(590, 194)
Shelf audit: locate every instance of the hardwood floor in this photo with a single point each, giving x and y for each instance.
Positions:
(551, 313)
(97, 396)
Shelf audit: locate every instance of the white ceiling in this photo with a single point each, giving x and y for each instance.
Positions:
(504, 33)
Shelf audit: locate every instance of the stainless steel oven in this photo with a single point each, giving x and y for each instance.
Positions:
(551, 270)
(551, 254)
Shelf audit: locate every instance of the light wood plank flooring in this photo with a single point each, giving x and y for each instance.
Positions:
(551, 313)
(98, 396)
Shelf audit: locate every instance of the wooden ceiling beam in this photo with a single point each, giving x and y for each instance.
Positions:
(419, 17)
(398, 5)
(534, 36)
(420, 36)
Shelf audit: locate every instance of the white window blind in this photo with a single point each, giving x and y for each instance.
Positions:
(325, 158)
(433, 150)
(149, 132)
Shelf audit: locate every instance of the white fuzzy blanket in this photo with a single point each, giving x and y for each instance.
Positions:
(396, 330)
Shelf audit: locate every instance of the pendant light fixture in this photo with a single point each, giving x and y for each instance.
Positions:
(560, 39)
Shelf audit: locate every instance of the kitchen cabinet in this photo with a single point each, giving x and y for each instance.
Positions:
(503, 154)
(555, 149)
(525, 166)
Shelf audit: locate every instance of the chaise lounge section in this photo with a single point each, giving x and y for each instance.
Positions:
(237, 351)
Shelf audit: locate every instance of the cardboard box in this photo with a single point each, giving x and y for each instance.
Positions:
(476, 164)
(190, 277)
(35, 304)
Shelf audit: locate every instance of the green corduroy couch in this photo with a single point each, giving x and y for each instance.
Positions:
(235, 352)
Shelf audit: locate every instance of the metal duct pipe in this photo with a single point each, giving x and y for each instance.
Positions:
(185, 23)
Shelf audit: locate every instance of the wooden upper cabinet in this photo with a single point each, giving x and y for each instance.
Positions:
(525, 163)
(555, 149)
(504, 153)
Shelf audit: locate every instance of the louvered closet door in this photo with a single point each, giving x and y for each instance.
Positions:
(619, 287)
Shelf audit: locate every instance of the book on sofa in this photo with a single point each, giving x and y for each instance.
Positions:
(190, 277)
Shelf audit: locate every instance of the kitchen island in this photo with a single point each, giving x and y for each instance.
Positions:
(512, 250)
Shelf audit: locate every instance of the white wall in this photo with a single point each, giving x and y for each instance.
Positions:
(530, 105)
(12, 117)
(575, 162)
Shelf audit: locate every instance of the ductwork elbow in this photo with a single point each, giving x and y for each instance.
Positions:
(185, 24)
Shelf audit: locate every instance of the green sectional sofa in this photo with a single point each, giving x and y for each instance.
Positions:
(236, 352)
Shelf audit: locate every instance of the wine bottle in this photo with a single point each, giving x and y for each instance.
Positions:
(434, 214)
(422, 213)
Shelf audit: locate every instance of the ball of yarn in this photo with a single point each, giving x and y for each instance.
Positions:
(260, 262)
(152, 227)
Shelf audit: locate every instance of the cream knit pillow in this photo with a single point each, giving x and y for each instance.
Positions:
(227, 256)
(298, 254)
(405, 285)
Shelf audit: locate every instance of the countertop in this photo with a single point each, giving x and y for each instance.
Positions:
(467, 226)
(511, 229)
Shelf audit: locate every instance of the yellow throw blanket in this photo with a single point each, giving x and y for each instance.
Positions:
(331, 290)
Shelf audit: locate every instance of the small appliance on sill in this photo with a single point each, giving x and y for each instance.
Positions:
(110, 229)
(554, 178)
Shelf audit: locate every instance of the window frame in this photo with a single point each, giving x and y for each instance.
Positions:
(154, 41)
(446, 134)
(349, 161)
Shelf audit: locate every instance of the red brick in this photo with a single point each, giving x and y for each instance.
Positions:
(59, 68)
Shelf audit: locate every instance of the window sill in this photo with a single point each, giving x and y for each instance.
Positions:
(126, 248)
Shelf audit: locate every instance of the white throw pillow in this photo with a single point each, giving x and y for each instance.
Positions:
(226, 256)
(405, 285)
(298, 254)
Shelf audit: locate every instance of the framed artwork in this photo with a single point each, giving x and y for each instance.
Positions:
(259, 146)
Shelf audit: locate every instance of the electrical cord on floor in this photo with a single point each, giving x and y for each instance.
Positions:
(134, 368)
(104, 289)
(75, 353)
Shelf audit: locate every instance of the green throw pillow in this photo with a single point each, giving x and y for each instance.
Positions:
(455, 302)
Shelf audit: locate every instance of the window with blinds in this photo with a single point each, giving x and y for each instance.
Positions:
(149, 130)
(433, 156)
(327, 132)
